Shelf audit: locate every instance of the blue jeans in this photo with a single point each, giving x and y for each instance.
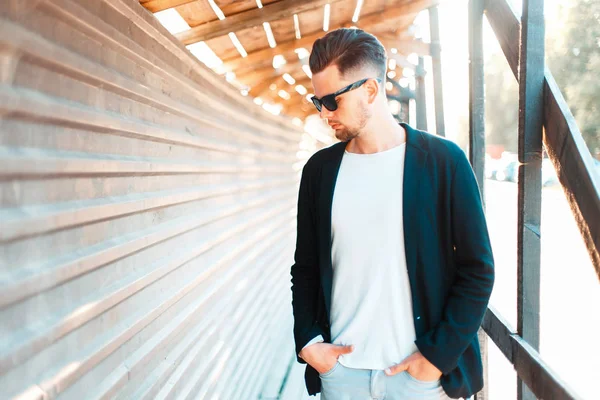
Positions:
(343, 383)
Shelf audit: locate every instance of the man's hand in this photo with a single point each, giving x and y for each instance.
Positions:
(323, 356)
(417, 366)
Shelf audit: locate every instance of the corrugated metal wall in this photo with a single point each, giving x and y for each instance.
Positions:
(147, 213)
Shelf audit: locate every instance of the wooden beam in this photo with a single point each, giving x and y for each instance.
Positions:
(308, 40)
(293, 67)
(256, 79)
(281, 85)
(284, 48)
(391, 13)
(304, 81)
(278, 82)
(294, 112)
(259, 89)
(160, 5)
(247, 19)
(250, 76)
(299, 111)
(298, 101)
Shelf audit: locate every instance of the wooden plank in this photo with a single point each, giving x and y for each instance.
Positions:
(260, 88)
(152, 129)
(263, 89)
(436, 61)
(257, 87)
(247, 19)
(299, 101)
(251, 76)
(312, 21)
(197, 12)
(231, 7)
(160, 5)
(408, 10)
(562, 138)
(543, 381)
(308, 39)
(341, 13)
(285, 48)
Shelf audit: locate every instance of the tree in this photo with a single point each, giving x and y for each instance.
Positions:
(573, 55)
(501, 103)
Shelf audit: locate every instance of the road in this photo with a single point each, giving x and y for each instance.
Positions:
(570, 291)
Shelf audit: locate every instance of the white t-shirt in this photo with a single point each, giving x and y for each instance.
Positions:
(371, 306)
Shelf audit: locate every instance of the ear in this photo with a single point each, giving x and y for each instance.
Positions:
(372, 87)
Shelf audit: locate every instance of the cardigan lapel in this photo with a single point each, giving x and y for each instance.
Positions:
(414, 164)
(329, 174)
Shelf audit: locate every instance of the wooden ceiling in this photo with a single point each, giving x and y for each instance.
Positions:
(295, 24)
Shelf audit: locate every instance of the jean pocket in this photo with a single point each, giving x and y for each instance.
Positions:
(420, 382)
(328, 373)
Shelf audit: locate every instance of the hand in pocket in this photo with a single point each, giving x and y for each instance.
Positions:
(324, 356)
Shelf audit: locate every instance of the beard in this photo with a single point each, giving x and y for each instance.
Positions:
(345, 133)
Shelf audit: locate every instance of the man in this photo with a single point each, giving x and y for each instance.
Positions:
(393, 264)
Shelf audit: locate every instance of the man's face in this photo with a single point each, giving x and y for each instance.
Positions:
(353, 111)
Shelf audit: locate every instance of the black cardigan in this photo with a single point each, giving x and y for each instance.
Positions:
(448, 255)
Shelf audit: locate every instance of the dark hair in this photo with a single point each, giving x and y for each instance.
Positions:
(349, 49)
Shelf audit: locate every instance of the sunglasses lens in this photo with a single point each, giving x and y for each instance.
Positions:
(317, 103)
(330, 103)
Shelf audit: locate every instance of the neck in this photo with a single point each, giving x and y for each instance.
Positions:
(381, 133)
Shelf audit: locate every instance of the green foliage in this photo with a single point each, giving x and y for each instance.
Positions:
(573, 56)
(501, 103)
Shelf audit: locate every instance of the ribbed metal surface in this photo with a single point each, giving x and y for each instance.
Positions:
(146, 208)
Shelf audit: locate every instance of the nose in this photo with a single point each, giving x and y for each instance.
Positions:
(325, 113)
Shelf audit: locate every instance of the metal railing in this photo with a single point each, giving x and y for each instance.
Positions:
(540, 104)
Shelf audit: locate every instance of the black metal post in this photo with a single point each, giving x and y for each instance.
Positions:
(421, 98)
(477, 134)
(531, 108)
(436, 62)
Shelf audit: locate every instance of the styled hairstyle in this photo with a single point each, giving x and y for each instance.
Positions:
(350, 49)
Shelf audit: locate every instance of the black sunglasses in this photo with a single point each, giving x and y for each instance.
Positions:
(329, 100)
